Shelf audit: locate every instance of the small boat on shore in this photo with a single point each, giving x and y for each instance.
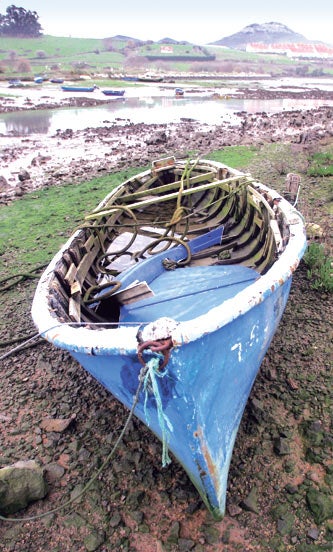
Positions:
(179, 92)
(109, 92)
(70, 88)
(177, 282)
(15, 83)
(57, 80)
(150, 77)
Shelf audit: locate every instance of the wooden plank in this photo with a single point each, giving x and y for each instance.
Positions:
(70, 274)
(85, 263)
(75, 288)
(74, 308)
(224, 184)
(167, 187)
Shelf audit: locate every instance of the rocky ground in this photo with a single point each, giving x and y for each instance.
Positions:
(280, 483)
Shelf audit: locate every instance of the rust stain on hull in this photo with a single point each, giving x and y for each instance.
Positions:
(210, 465)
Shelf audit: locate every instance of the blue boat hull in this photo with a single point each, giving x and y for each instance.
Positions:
(78, 88)
(117, 93)
(204, 392)
(180, 278)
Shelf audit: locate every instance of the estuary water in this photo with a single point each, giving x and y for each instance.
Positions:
(148, 105)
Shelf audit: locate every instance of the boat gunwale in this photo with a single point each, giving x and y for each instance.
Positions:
(122, 339)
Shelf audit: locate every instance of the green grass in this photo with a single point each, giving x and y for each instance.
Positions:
(64, 52)
(321, 164)
(53, 46)
(237, 157)
(33, 227)
(320, 267)
(102, 55)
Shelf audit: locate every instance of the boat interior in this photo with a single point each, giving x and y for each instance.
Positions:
(169, 205)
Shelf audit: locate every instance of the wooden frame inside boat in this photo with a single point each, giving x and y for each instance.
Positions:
(253, 235)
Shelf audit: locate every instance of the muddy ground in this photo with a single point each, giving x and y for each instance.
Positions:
(280, 478)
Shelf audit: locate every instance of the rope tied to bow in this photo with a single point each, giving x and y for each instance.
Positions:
(150, 384)
(156, 368)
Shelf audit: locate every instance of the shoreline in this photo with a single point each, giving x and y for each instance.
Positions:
(39, 160)
(42, 160)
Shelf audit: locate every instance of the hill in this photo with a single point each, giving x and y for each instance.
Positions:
(267, 33)
(69, 58)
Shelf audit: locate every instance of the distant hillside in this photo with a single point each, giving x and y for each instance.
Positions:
(267, 33)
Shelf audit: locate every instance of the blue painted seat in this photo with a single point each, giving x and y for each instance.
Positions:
(188, 292)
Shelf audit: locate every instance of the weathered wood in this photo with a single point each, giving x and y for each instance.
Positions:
(74, 308)
(70, 274)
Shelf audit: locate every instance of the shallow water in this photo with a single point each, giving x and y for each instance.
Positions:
(143, 110)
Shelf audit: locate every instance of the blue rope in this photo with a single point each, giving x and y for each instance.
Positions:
(150, 381)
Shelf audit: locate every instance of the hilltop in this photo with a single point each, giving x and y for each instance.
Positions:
(267, 33)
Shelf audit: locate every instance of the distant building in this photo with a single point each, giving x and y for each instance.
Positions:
(166, 49)
(292, 49)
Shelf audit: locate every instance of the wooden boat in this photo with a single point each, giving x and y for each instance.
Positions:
(109, 92)
(180, 276)
(70, 88)
(57, 80)
(150, 77)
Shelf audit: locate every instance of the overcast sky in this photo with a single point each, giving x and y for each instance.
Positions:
(197, 22)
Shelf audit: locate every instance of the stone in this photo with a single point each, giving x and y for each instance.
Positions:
(57, 425)
(285, 524)
(94, 540)
(115, 520)
(40, 160)
(258, 410)
(73, 519)
(320, 505)
(3, 184)
(23, 175)
(21, 484)
(184, 545)
(313, 533)
(281, 446)
(211, 534)
(134, 499)
(250, 503)
(291, 489)
(174, 533)
(54, 472)
(234, 510)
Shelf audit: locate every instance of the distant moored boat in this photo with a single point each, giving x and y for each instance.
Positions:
(69, 88)
(109, 92)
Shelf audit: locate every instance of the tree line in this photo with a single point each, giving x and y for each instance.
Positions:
(20, 23)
